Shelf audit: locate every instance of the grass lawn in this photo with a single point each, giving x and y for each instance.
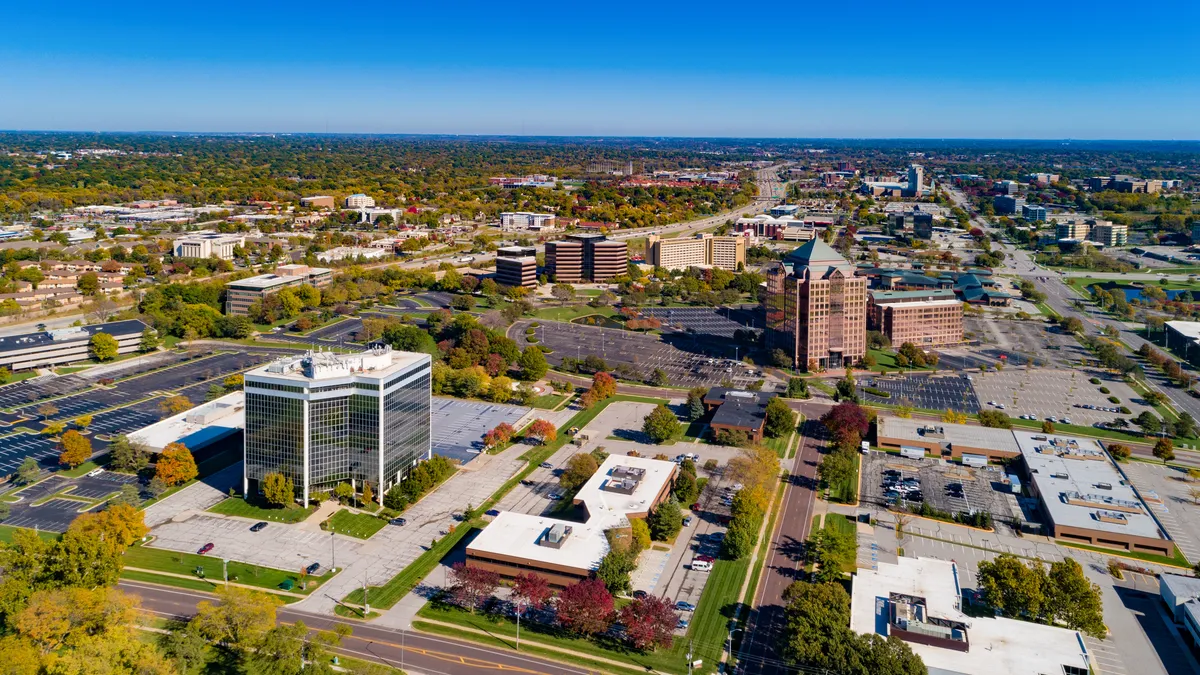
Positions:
(550, 401)
(779, 445)
(189, 584)
(839, 523)
(496, 640)
(885, 360)
(1177, 561)
(161, 560)
(359, 525)
(84, 468)
(236, 506)
(692, 432)
(67, 370)
(846, 491)
(6, 534)
(23, 375)
(821, 386)
(568, 312)
(1080, 430)
(398, 586)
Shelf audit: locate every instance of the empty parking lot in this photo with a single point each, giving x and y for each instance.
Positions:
(932, 392)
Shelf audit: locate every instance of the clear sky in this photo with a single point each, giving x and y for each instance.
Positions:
(766, 68)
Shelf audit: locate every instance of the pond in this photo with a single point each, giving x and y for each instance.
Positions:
(598, 320)
(1132, 294)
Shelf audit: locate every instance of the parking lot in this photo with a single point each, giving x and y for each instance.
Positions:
(1032, 341)
(1044, 392)
(932, 392)
(714, 321)
(697, 361)
(1166, 491)
(946, 487)
(55, 515)
(457, 426)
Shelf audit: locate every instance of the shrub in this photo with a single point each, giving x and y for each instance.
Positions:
(1114, 400)
(532, 341)
(1126, 411)
(1094, 380)
(877, 392)
(1104, 390)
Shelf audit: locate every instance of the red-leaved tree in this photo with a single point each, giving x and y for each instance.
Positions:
(470, 586)
(847, 423)
(649, 622)
(604, 386)
(503, 433)
(531, 589)
(543, 430)
(585, 608)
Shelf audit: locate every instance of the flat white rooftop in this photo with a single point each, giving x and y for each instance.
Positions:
(604, 498)
(196, 428)
(373, 364)
(517, 535)
(1188, 329)
(1080, 487)
(997, 646)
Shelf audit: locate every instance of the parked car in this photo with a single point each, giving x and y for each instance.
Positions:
(685, 606)
(554, 496)
(695, 507)
(258, 527)
(683, 623)
(398, 521)
(687, 521)
(492, 512)
(638, 595)
(206, 548)
(546, 465)
(312, 569)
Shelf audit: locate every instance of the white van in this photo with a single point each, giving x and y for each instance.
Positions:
(701, 566)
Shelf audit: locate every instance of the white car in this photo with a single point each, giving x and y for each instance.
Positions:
(1066, 420)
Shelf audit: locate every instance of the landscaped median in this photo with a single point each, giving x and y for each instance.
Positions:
(192, 571)
(361, 525)
(237, 506)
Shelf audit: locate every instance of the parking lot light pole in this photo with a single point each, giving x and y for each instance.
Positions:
(333, 552)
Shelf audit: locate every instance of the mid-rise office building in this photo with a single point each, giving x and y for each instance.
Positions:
(1034, 213)
(1119, 183)
(240, 294)
(360, 201)
(207, 245)
(931, 318)
(1109, 234)
(322, 419)
(516, 266)
(586, 257)
(65, 345)
(816, 308)
(703, 250)
(918, 223)
(522, 220)
(1007, 206)
(317, 202)
(1043, 178)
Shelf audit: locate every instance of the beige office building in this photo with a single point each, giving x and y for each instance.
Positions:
(925, 318)
(240, 294)
(817, 308)
(208, 244)
(586, 257)
(704, 250)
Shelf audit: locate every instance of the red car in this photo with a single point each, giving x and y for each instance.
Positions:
(695, 507)
(705, 558)
(205, 548)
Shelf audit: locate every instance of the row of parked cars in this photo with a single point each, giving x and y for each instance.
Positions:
(896, 487)
(1065, 420)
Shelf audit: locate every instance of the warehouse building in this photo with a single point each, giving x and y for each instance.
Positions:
(945, 440)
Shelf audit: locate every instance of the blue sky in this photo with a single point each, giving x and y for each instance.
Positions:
(936, 69)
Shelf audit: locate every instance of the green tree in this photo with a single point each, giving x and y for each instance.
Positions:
(1185, 425)
(685, 488)
(695, 403)
(665, 520)
(614, 570)
(1073, 600)
(580, 467)
(239, 619)
(29, 471)
(995, 419)
(532, 364)
(103, 347)
(124, 456)
(150, 341)
(1164, 449)
(278, 489)
(797, 388)
(780, 420)
(661, 424)
(739, 541)
(1012, 587)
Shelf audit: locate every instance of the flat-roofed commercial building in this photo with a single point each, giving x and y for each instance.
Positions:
(944, 440)
(919, 601)
(1109, 234)
(65, 345)
(1084, 498)
(586, 257)
(318, 202)
(1034, 213)
(816, 308)
(728, 253)
(523, 220)
(197, 428)
(516, 266)
(322, 419)
(566, 552)
(207, 245)
(1181, 595)
(930, 318)
(241, 294)
(359, 201)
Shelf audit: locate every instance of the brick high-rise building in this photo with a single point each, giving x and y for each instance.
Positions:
(586, 257)
(930, 318)
(816, 308)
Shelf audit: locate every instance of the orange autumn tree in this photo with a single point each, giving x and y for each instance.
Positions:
(75, 449)
(544, 431)
(175, 465)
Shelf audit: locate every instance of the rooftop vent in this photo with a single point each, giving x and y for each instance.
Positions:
(555, 536)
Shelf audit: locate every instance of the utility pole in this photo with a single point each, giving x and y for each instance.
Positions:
(689, 657)
(333, 551)
(366, 603)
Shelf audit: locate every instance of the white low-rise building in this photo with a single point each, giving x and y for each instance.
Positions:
(919, 601)
(352, 252)
(197, 428)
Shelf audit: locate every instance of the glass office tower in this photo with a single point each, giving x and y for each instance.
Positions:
(323, 419)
